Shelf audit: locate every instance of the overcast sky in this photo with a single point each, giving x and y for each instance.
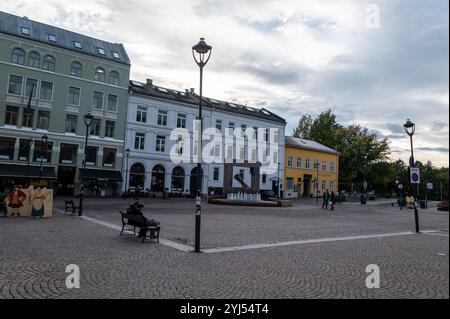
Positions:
(292, 57)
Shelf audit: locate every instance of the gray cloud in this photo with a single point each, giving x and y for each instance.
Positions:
(433, 149)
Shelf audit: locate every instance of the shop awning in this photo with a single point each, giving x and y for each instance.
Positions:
(101, 174)
(18, 170)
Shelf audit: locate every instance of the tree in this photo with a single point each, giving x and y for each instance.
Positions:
(303, 128)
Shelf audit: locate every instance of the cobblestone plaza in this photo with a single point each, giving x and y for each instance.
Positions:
(293, 252)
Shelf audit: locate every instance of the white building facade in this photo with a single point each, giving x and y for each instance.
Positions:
(160, 158)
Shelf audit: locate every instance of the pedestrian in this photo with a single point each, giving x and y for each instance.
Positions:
(136, 209)
(332, 200)
(137, 192)
(326, 198)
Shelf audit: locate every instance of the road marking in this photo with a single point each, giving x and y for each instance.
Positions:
(186, 248)
(162, 241)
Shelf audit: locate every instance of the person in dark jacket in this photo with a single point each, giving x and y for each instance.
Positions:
(326, 198)
(136, 209)
(332, 200)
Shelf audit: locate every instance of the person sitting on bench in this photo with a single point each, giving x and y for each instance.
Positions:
(136, 209)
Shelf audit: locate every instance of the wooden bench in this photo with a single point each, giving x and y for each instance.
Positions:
(139, 221)
(70, 207)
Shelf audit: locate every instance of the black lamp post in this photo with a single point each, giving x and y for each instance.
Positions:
(410, 128)
(88, 118)
(317, 181)
(127, 152)
(29, 144)
(201, 53)
(44, 140)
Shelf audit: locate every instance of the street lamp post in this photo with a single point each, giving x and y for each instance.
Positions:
(201, 53)
(44, 140)
(317, 182)
(410, 128)
(278, 180)
(88, 118)
(29, 144)
(127, 152)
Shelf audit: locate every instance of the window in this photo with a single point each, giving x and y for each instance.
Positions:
(31, 84)
(52, 38)
(324, 165)
(289, 183)
(46, 91)
(99, 75)
(74, 96)
(76, 69)
(97, 101)
(275, 136)
(266, 134)
(109, 128)
(43, 120)
(95, 127)
(219, 125)
(179, 145)
(71, 123)
(112, 103)
(139, 141)
(216, 173)
(217, 148)
(308, 163)
(275, 157)
(101, 51)
(181, 120)
(332, 185)
(24, 149)
(253, 155)
(160, 143)
(7, 148)
(230, 152)
(243, 128)
(290, 161)
(49, 63)
(18, 56)
(116, 55)
(316, 164)
(162, 117)
(11, 115)
(77, 44)
(109, 157)
(34, 60)
(324, 184)
(231, 125)
(264, 178)
(27, 119)
(242, 153)
(25, 30)
(68, 153)
(114, 78)
(91, 155)
(299, 162)
(141, 114)
(42, 152)
(15, 85)
(255, 133)
(332, 166)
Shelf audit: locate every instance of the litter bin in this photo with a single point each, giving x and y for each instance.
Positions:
(363, 199)
(422, 204)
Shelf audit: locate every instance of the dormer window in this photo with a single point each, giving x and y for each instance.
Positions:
(101, 51)
(116, 55)
(52, 38)
(25, 30)
(77, 44)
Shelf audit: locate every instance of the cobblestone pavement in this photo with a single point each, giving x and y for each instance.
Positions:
(35, 253)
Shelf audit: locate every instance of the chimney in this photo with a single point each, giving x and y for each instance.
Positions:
(149, 82)
(192, 90)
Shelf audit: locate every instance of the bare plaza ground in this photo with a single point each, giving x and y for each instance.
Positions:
(35, 253)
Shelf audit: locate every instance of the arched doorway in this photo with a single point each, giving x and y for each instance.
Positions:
(158, 175)
(178, 179)
(137, 175)
(193, 181)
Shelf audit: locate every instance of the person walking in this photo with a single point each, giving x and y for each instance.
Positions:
(137, 192)
(332, 200)
(326, 198)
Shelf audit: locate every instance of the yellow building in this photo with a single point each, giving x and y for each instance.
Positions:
(307, 161)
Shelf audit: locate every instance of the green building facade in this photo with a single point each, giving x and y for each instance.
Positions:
(67, 75)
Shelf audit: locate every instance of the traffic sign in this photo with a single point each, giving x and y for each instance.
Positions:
(429, 185)
(400, 186)
(415, 175)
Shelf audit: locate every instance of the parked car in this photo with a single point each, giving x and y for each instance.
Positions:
(371, 195)
(443, 205)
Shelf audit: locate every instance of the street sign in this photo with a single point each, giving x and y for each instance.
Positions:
(429, 185)
(400, 186)
(415, 175)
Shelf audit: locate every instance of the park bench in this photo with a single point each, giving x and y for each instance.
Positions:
(138, 221)
(70, 207)
(3, 208)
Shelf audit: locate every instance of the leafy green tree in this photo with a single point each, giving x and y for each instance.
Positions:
(304, 127)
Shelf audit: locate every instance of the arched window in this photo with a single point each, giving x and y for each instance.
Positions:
(34, 60)
(18, 56)
(99, 75)
(158, 175)
(137, 175)
(76, 69)
(49, 63)
(178, 179)
(114, 78)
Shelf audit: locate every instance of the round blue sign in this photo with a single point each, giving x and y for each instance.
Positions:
(415, 177)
